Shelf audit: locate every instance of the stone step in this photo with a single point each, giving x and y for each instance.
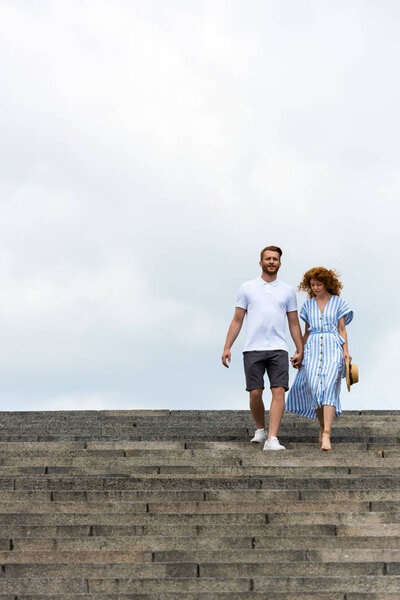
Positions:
(343, 447)
(333, 517)
(349, 447)
(207, 507)
(296, 569)
(215, 416)
(282, 496)
(196, 543)
(210, 495)
(128, 543)
(189, 481)
(141, 451)
(196, 596)
(285, 460)
(101, 557)
(252, 456)
(217, 596)
(172, 505)
(263, 585)
(291, 440)
(193, 508)
(186, 429)
(267, 584)
(367, 584)
(192, 570)
(66, 415)
(256, 527)
(120, 570)
(278, 556)
(231, 517)
(262, 471)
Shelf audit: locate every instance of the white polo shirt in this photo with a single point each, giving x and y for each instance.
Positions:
(266, 305)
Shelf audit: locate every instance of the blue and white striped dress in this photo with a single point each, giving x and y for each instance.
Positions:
(319, 377)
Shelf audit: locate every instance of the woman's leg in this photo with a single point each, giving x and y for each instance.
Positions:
(320, 415)
(329, 414)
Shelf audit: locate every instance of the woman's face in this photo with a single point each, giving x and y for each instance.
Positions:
(317, 287)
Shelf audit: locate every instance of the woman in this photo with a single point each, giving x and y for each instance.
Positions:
(316, 389)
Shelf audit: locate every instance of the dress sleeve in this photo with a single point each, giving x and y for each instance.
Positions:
(344, 310)
(291, 303)
(304, 313)
(242, 300)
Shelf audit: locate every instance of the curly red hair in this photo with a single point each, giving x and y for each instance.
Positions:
(329, 278)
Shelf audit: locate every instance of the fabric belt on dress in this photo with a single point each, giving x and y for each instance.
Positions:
(334, 332)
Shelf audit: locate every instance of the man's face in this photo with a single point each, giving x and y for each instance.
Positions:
(271, 262)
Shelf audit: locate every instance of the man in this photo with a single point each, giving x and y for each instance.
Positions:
(267, 301)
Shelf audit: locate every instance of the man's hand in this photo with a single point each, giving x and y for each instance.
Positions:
(295, 332)
(296, 359)
(226, 356)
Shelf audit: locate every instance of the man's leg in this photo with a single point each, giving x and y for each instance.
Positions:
(278, 373)
(257, 408)
(276, 411)
(254, 368)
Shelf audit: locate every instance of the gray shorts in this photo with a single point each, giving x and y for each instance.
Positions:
(276, 362)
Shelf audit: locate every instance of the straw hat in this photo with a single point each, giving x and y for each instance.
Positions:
(351, 374)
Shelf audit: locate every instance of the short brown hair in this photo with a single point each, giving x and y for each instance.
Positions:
(271, 249)
(329, 278)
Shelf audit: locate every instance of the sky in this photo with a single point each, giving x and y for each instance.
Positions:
(149, 151)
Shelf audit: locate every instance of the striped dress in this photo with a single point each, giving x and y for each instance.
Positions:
(319, 377)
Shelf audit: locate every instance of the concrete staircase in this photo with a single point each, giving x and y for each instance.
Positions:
(171, 505)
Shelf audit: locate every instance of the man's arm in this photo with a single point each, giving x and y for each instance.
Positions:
(233, 332)
(295, 332)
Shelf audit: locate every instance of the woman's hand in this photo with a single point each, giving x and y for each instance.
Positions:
(346, 355)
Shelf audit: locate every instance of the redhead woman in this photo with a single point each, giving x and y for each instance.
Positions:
(316, 389)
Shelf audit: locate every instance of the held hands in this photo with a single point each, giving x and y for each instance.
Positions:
(296, 360)
(226, 356)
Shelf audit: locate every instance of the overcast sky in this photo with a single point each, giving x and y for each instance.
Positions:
(149, 150)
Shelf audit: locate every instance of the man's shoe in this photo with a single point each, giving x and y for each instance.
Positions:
(259, 436)
(273, 444)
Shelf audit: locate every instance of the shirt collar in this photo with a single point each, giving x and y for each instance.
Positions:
(273, 283)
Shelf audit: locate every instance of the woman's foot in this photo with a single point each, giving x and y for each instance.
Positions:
(321, 429)
(326, 440)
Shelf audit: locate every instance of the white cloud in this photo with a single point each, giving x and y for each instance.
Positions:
(151, 150)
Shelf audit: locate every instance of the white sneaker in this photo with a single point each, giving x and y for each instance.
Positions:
(273, 444)
(259, 436)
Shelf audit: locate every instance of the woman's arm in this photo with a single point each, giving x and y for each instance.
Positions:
(343, 333)
(306, 333)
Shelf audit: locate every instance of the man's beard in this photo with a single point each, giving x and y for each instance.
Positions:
(268, 270)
